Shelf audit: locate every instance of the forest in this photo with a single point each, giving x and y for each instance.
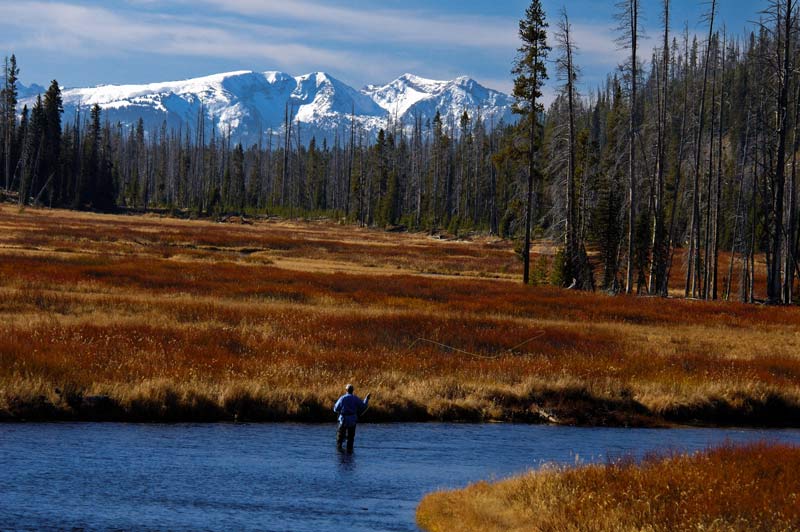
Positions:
(691, 152)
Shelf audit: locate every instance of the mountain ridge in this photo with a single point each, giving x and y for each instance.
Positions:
(249, 104)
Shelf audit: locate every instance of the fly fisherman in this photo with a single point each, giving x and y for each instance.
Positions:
(349, 407)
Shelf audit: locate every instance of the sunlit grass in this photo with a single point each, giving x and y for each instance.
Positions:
(755, 487)
(179, 319)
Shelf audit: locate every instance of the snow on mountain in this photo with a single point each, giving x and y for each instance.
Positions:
(401, 94)
(250, 104)
(410, 96)
(322, 105)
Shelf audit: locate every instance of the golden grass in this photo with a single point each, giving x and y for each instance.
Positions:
(756, 487)
(157, 318)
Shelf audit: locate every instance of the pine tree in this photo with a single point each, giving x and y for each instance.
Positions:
(530, 72)
(237, 188)
(139, 184)
(31, 153)
(105, 197)
(316, 177)
(96, 186)
(8, 114)
(51, 156)
(607, 230)
(22, 130)
(255, 184)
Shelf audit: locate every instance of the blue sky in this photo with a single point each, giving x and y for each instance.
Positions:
(91, 42)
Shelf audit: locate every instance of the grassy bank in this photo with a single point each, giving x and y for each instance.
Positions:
(147, 318)
(750, 488)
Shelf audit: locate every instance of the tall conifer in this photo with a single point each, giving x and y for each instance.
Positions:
(530, 71)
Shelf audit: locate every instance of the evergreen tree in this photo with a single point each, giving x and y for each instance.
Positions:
(96, 187)
(607, 227)
(530, 72)
(30, 157)
(254, 184)
(237, 190)
(315, 169)
(381, 178)
(8, 115)
(51, 156)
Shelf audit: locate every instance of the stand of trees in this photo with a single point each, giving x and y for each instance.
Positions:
(695, 149)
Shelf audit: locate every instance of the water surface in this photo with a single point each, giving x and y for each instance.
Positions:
(283, 477)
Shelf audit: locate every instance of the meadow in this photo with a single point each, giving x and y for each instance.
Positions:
(755, 487)
(153, 318)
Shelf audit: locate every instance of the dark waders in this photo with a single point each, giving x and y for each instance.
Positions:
(345, 432)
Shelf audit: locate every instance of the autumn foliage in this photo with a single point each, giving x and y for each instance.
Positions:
(142, 317)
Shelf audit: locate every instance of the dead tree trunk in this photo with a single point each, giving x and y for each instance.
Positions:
(784, 13)
(658, 252)
(630, 20)
(718, 199)
(694, 238)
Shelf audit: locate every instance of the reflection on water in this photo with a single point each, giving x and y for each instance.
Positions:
(283, 477)
(347, 461)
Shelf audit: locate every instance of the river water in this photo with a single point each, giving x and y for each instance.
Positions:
(284, 477)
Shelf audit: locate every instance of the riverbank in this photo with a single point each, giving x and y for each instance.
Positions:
(754, 487)
(142, 318)
(535, 402)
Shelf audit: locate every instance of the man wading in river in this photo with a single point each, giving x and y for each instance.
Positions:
(349, 407)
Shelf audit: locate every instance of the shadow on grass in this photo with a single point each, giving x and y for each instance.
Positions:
(569, 406)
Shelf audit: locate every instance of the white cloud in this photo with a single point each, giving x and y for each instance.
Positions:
(383, 25)
(91, 31)
(265, 41)
(597, 42)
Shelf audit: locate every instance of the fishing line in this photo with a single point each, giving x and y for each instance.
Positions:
(511, 350)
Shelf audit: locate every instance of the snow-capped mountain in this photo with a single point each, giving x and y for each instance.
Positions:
(409, 96)
(250, 105)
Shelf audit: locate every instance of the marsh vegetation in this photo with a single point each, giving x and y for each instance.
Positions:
(150, 318)
(752, 487)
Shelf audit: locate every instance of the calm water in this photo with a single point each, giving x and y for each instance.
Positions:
(282, 477)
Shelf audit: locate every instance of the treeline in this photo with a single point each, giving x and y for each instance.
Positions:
(693, 150)
(74, 166)
(432, 175)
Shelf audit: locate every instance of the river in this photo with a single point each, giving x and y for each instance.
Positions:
(284, 477)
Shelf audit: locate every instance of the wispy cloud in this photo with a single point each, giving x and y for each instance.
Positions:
(95, 31)
(597, 52)
(297, 36)
(380, 25)
(596, 42)
(358, 44)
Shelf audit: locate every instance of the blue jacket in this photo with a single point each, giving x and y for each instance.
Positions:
(349, 407)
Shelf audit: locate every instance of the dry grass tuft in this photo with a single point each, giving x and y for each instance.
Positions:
(756, 487)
